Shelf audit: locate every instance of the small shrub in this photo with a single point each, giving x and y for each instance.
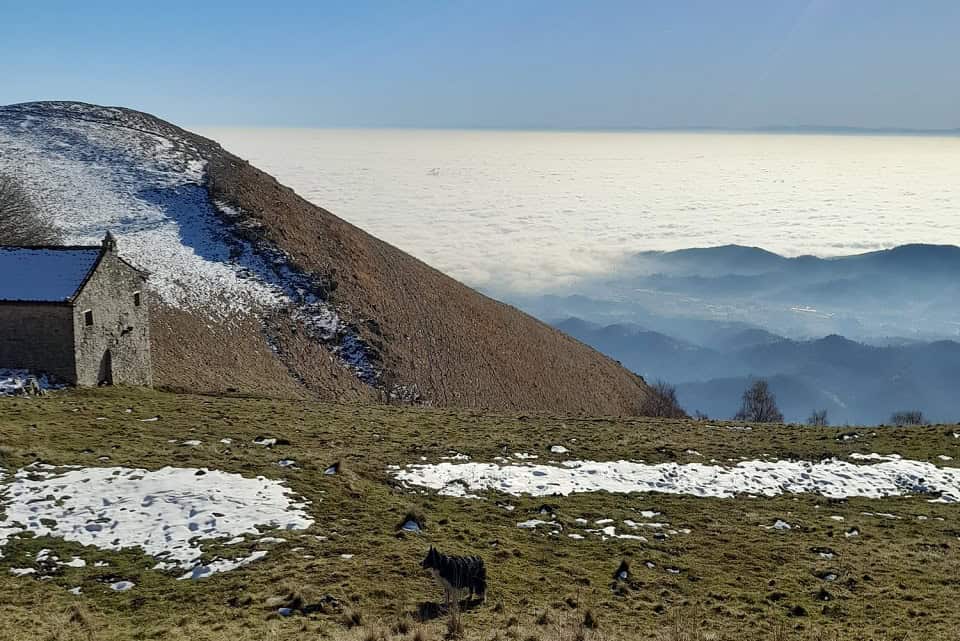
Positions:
(402, 626)
(375, 634)
(759, 405)
(590, 620)
(908, 418)
(352, 619)
(662, 402)
(419, 634)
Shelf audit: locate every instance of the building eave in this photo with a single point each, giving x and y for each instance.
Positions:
(48, 303)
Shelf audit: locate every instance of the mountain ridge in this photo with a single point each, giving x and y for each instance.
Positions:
(281, 290)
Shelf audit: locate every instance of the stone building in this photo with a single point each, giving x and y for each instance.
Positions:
(79, 314)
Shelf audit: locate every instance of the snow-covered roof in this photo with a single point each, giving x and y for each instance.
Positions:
(44, 274)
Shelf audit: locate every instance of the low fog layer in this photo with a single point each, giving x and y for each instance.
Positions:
(577, 228)
(514, 211)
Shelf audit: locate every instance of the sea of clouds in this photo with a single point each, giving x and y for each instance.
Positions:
(526, 212)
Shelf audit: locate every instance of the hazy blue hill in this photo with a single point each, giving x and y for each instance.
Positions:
(651, 354)
(856, 382)
(741, 260)
(917, 259)
(861, 336)
(906, 291)
(737, 339)
(720, 398)
(733, 259)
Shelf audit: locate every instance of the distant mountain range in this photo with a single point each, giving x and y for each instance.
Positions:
(905, 292)
(861, 336)
(856, 383)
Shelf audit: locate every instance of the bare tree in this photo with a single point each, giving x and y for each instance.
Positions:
(662, 402)
(759, 405)
(818, 418)
(21, 221)
(908, 418)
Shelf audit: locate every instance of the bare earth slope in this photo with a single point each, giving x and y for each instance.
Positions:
(259, 290)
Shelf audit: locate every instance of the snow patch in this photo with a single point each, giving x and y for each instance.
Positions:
(875, 457)
(19, 381)
(533, 523)
(221, 565)
(831, 478)
(167, 513)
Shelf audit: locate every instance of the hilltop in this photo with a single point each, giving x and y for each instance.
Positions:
(263, 292)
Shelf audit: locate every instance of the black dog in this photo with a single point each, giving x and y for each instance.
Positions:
(456, 573)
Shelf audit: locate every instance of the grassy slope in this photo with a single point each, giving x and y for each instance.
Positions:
(737, 579)
(457, 346)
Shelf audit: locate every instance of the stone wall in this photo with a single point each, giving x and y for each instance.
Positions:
(115, 348)
(38, 337)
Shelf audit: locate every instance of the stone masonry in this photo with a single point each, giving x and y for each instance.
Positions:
(99, 334)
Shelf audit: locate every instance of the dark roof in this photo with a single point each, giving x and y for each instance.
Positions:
(48, 274)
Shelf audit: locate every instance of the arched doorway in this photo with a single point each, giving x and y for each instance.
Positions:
(105, 377)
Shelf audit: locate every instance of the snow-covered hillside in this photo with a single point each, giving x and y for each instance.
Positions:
(98, 169)
(94, 171)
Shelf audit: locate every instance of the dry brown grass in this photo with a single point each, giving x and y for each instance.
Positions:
(737, 580)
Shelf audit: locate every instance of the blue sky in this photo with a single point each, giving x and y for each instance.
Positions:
(492, 63)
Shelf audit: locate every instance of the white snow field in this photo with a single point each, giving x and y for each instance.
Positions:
(166, 513)
(831, 478)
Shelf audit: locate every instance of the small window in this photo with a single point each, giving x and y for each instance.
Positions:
(88, 317)
(136, 299)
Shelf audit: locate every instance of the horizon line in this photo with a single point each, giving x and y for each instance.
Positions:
(839, 130)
